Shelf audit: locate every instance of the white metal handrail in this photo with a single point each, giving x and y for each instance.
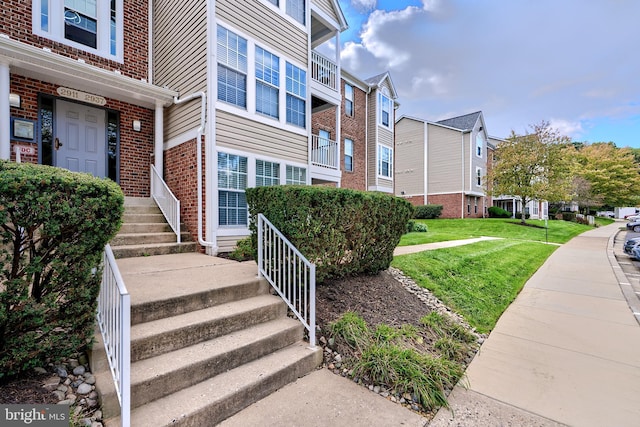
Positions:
(324, 70)
(114, 320)
(291, 274)
(167, 202)
(324, 152)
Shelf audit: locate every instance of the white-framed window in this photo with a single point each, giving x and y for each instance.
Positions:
(384, 107)
(296, 10)
(267, 173)
(385, 161)
(348, 100)
(267, 83)
(479, 177)
(296, 175)
(232, 67)
(348, 155)
(475, 205)
(479, 144)
(275, 2)
(232, 181)
(296, 95)
(90, 25)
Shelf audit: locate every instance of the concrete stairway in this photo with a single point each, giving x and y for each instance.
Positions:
(145, 232)
(207, 340)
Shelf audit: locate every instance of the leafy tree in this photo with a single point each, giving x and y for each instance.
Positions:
(534, 166)
(612, 174)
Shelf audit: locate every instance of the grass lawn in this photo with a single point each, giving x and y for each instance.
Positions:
(455, 229)
(479, 281)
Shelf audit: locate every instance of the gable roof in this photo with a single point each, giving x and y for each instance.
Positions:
(376, 81)
(465, 122)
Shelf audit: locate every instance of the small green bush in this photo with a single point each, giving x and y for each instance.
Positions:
(416, 227)
(496, 212)
(569, 216)
(344, 232)
(54, 225)
(243, 250)
(353, 329)
(427, 211)
(519, 215)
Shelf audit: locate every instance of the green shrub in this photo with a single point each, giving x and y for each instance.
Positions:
(416, 227)
(569, 216)
(427, 211)
(344, 232)
(243, 250)
(519, 215)
(353, 329)
(54, 225)
(450, 349)
(496, 212)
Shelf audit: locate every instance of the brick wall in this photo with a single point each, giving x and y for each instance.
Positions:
(414, 200)
(451, 204)
(135, 147)
(180, 171)
(353, 128)
(15, 20)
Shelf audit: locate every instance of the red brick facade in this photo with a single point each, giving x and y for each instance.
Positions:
(15, 21)
(135, 147)
(353, 128)
(456, 205)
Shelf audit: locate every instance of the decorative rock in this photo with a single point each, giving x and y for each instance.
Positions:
(331, 366)
(67, 402)
(60, 371)
(39, 370)
(338, 358)
(96, 424)
(323, 341)
(332, 342)
(89, 379)
(73, 363)
(93, 395)
(92, 403)
(86, 422)
(393, 399)
(67, 382)
(376, 389)
(97, 416)
(403, 400)
(84, 388)
(79, 370)
(59, 395)
(82, 359)
(51, 384)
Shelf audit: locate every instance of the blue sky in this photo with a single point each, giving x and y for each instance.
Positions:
(574, 63)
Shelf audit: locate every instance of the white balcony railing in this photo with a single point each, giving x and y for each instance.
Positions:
(114, 320)
(166, 201)
(324, 70)
(289, 272)
(324, 152)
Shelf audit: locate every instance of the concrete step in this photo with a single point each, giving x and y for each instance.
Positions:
(209, 402)
(138, 201)
(160, 376)
(152, 227)
(142, 209)
(134, 218)
(161, 336)
(127, 251)
(146, 238)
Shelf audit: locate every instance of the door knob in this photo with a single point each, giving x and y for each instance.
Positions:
(57, 144)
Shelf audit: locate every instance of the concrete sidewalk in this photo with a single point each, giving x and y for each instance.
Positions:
(567, 350)
(404, 250)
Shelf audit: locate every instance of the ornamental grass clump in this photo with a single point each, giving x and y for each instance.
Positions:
(54, 225)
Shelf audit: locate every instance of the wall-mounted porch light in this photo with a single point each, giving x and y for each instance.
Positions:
(14, 100)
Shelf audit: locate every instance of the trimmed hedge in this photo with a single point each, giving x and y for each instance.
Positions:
(54, 225)
(496, 212)
(427, 211)
(344, 232)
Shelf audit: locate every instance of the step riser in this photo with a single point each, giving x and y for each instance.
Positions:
(218, 411)
(165, 342)
(173, 381)
(124, 252)
(142, 218)
(140, 210)
(146, 228)
(143, 239)
(172, 307)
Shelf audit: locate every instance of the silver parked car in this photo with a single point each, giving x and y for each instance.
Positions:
(630, 245)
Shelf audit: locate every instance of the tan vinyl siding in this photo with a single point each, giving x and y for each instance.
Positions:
(265, 25)
(385, 136)
(244, 134)
(385, 83)
(445, 160)
(372, 147)
(180, 58)
(386, 183)
(409, 157)
(228, 243)
(327, 7)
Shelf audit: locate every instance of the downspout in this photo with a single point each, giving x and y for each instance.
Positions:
(150, 38)
(200, 132)
(5, 112)
(366, 137)
(462, 176)
(426, 163)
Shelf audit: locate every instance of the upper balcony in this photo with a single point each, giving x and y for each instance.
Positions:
(325, 71)
(325, 159)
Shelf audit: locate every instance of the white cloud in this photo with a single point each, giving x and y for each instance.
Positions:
(518, 62)
(567, 127)
(364, 5)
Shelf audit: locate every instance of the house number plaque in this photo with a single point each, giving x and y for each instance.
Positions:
(81, 96)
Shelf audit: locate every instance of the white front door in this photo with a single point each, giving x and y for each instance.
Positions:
(80, 142)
